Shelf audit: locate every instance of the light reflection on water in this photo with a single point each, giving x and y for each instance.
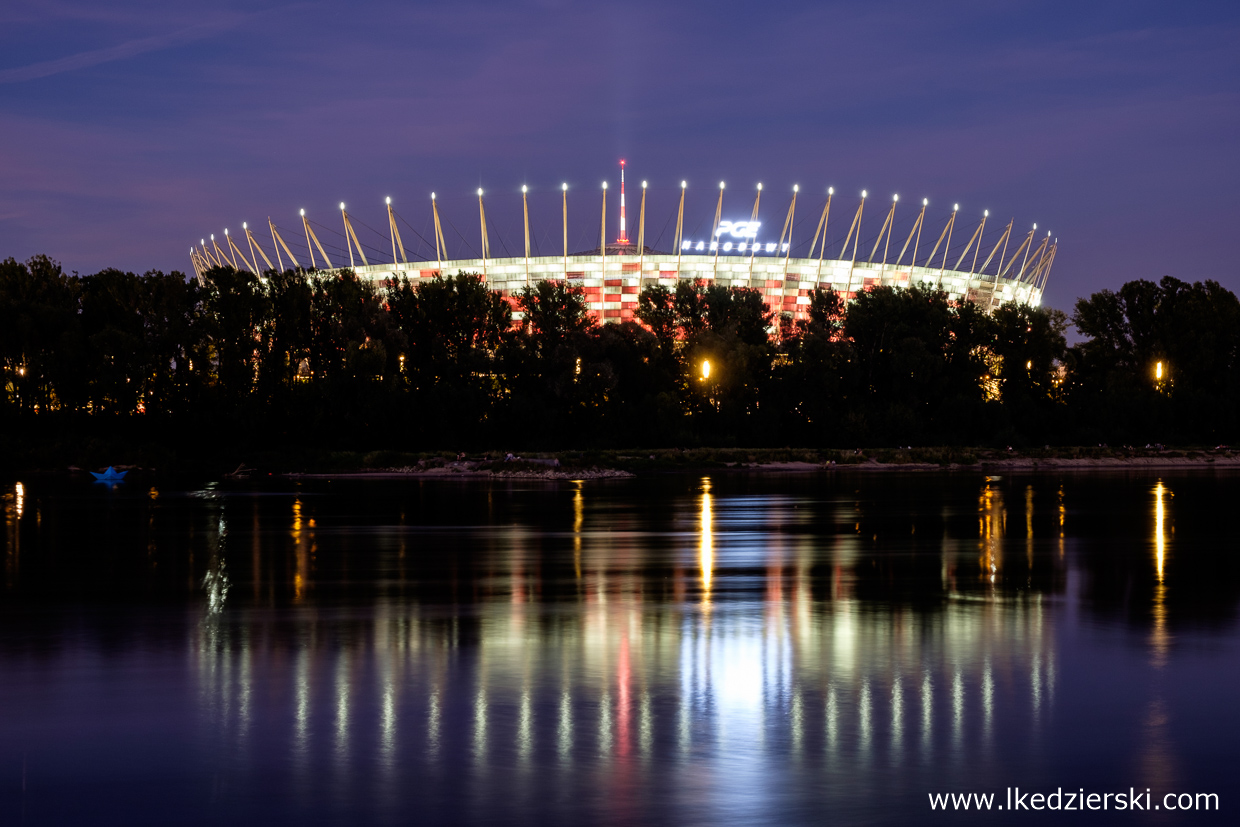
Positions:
(719, 655)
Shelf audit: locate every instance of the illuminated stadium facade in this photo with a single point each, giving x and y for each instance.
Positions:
(1006, 267)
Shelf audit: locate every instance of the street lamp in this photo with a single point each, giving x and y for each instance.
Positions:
(706, 369)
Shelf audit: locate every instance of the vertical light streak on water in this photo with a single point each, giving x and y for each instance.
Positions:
(525, 726)
(688, 678)
(1035, 685)
(605, 730)
(988, 701)
(245, 679)
(645, 725)
(433, 725)
(796, 717)
(225, 684)
(342, 707)
(1050, 680)
(579, 513)
(897, 715)
(927, 709)
(564, 732)
(1029, 527)
(480, 725)
(864, 717)
(12, 523)
(831, 719)
(302, 693)
(1160, 638)
(958, 705)
(388, 721)
(706, 551)
(624, 699)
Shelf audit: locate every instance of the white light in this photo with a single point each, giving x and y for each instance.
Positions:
(342, 206)
(564, 187)
(191, 251)
(244, 226)
(203, 242)
(479, 192)
(955, 208)
(684, 246)
(742, 246)
(986, 213)
(759, 186)
(830, 190)
(720, 185)
(863, 193)
(643, 184)
(1035, 226)
(925, 202)
(727, 245)
(225, 231)
(701, 245)
(303, 213)
(604, 185)
(213, 236)
(770, 246)
(684, 184)
(796, 187)
(432, 196)
(388, 200)
(895, 197)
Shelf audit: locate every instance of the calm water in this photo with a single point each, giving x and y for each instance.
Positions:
(680, 650)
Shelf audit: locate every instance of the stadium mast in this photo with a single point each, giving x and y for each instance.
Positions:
(624, 235)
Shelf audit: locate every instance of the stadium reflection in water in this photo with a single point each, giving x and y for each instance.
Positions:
(734, 653)
(628, 680)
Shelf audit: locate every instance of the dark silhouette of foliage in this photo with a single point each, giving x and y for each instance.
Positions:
(335, 361)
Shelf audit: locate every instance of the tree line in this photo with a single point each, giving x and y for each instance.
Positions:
(340, 362)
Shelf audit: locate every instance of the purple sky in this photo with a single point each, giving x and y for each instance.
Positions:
(133, 128)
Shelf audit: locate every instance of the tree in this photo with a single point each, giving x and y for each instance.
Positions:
(1193, 330)
(41, 340)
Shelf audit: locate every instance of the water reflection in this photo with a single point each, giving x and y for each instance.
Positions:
(737, 683)
(706, 554)
(725, 645)
(1159, 636)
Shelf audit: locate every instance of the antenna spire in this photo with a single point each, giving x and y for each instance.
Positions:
(624, 236)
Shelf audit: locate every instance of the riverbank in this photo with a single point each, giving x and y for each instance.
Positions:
(620, 464)
(614, 464)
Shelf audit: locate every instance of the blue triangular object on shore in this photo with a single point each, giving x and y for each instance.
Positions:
(110, 475)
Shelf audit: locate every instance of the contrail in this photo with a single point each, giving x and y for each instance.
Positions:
(119, 52)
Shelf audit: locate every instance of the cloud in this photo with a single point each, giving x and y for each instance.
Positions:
(128, 49)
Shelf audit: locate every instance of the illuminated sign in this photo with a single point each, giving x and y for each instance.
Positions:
(738, 229)
(728, 246)
(743, 230)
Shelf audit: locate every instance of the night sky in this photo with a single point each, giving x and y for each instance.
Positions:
(131, 129)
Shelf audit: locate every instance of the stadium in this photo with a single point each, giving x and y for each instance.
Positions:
(1005, 266)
